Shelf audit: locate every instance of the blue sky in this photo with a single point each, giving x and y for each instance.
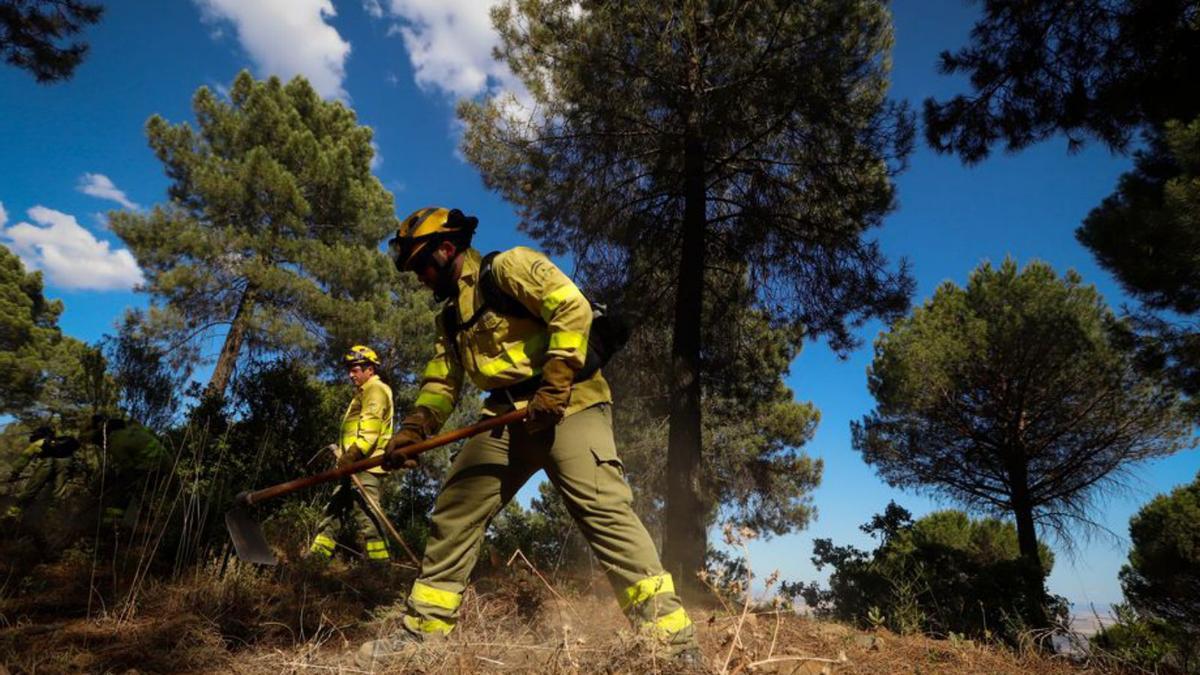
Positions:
(72, 151)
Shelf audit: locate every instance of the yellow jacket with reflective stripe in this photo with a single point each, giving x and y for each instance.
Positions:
(367, 423)
(501, 350)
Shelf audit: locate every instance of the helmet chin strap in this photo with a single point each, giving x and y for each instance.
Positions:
(446, 285)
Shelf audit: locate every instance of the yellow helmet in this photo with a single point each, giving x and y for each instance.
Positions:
(423, 227)
(361, 355)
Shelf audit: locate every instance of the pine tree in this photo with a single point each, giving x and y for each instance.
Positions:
(271, 233)
(29, 335)
(1109, 71)
(1089, 69)
(1147, 234)
(31, 32)
(1014, 396)
(729, 145)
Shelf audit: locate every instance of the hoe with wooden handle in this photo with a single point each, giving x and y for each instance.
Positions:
(248, 539)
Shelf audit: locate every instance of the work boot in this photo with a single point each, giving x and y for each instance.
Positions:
(400, 647)
(690, 660)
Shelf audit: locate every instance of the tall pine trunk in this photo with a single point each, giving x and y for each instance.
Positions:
(684, 541)
(1027, 543)
(232, 346)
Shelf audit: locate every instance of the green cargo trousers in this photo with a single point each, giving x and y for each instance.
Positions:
(346, 502)
(47, 480)
(580, 459)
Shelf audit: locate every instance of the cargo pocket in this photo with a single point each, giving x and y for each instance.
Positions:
(601, 443)
(610, 474)
(608, 456)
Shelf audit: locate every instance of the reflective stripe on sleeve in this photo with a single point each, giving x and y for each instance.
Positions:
(645, 589)
(565, 339)
(371, 426)
(433, 596)
(516, 355)
(436, 369)
(557, 297)
(436, 402)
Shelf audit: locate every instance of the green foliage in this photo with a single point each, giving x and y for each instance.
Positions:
(150, 389)
(942, 574)
(755, 475)
(1015, 376)
(1161, 581)
(1136, 641)
(29, 334)
(1098, 68)
(271, 234)
(32, 31)
(724, 160)
(1013, 396)
(44, 375)
(1105, 69)
(798, 143)
(1148, 235)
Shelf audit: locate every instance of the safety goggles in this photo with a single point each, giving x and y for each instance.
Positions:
(400, 249)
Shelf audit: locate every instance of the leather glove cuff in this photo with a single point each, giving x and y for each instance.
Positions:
(422, 421)
(350, 456)
(557, 378)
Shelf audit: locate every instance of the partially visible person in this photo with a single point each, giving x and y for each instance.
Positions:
(50, 455)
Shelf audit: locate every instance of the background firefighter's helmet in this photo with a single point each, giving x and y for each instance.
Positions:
(360, 355)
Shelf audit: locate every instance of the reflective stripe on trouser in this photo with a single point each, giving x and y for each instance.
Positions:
(652, 604)
(346, 503)
(580, 459)
(377, 549)
(431, 609)
(323, 546)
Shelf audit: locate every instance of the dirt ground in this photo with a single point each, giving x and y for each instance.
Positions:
(78, 615)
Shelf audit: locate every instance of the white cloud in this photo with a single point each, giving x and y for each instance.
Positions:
(450, 44)
(70, 255)
(3, 215)
(373, 9)
(100, 186)
(288, 38)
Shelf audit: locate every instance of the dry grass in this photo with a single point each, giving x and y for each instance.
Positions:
(305, 618)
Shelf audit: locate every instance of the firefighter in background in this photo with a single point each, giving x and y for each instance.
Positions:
(127, 454)
(366, 430)
(528, 353)
(50, 455)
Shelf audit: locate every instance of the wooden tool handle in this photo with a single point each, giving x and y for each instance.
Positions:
(410, 451)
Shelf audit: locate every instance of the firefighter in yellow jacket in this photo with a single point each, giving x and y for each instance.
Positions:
(366, 430)
(527, 354)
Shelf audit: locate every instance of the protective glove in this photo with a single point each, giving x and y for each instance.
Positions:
(350, 456)
(419, 425)
(549, 403)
